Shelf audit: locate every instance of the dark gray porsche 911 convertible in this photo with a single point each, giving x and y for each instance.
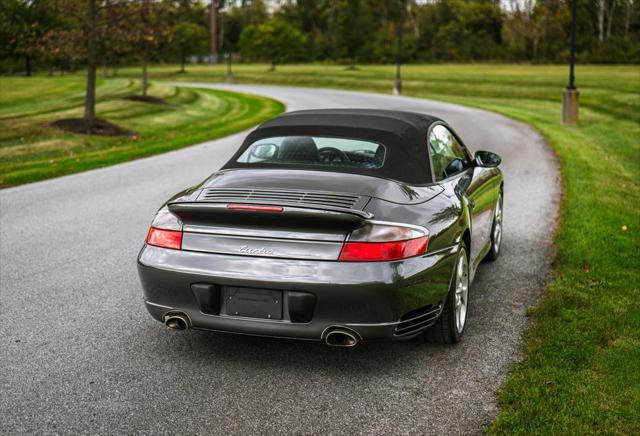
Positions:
(335, 225)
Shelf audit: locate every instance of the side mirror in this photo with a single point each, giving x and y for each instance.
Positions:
(487, 159)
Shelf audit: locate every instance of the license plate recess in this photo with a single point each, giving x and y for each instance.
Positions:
(252, 303)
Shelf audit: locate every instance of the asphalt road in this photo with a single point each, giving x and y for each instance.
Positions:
(79, 352)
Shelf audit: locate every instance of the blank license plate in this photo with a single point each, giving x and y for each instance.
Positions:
(253, 303)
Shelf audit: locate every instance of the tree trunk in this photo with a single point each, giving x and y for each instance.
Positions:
(51, 70)
(183, 55)
(627, 17)
(220, 37)
(273, 65)
(27, 65)
(601, 9)
(144, 77)
(213, 19)
(90, 96)
(415, 26)
(612, 7)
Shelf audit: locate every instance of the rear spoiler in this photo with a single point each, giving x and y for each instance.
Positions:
(293, 210)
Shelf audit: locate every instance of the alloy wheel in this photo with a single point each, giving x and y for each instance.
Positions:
(497, 226)
(461, 291)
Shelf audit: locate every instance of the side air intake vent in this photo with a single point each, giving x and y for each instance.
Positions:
(417, 320)
(271, 196)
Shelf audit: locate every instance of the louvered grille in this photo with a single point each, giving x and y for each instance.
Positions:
(345, 201)
(418, 320)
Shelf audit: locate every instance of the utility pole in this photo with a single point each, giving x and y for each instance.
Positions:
(570, 98)
(213, 17)
(397, 85)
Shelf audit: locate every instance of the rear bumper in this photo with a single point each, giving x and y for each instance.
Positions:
(374, 299)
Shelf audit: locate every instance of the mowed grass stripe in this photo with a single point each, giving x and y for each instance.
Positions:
(51, 98)
(31, 150)
(616, 95)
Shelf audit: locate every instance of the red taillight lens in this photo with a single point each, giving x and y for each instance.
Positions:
(381, 251)
(165, 238)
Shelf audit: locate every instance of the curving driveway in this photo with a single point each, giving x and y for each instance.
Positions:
(80, 354)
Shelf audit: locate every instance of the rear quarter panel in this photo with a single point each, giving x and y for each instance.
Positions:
(446, 221)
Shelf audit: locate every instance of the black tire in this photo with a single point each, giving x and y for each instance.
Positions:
(445, 331)
(496, 240)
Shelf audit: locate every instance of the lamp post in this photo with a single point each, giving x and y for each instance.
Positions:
(397, 84)
(570, 97)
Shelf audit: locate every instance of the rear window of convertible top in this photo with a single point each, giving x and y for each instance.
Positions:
(315, 150)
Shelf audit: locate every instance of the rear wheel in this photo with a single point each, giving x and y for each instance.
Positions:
(450, 326)
(496, 232)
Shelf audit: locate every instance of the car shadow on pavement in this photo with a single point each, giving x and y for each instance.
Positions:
(249, 351)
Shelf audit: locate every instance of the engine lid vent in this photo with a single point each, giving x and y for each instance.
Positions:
(290, 197)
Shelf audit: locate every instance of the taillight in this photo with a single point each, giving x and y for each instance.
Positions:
(165, 238)
(166, 230)
(376, 242)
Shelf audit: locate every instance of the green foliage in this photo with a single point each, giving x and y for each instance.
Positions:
(275, 41)
(23, 29)
(51, 33)
(459, 30)
(188, 38)
(354, 27)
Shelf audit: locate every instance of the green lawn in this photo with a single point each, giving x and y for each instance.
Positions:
(581, 373)
(31, 150)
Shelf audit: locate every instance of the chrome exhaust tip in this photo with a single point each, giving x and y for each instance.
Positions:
(177, 321)
(341, 338)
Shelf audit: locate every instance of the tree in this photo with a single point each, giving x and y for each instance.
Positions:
(114, 46)
(60, 48)
(354, 26)
(213, 29)
(628, 14)
(23, 24)
(148, 29)
(314, 19)
(86, 23)
(60, 33)
(275, 41)
(188, 37)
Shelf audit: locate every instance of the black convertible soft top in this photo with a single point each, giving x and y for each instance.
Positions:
(404, 134)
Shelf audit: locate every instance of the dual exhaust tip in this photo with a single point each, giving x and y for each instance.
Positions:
(177, 321)
(341, 337)
(338, 337)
